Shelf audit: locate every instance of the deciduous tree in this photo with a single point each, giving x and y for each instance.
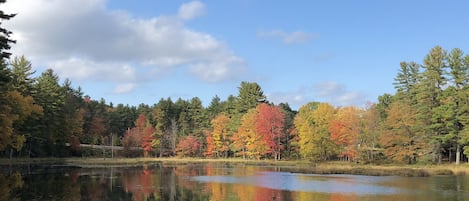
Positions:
(220, 135)
(345, 130)
(400, 139)
(244, 141)
(270, 124)
(313, 122)
(371, 131)
(188, 146)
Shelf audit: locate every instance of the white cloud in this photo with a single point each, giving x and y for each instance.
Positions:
(294, 98)
(350, 98)
(332, 92)
(226, 68)
(83, 39)
(83, 69)
(191, 10)
(124, 88)
(288, 37)
(338, 94)
(328, 89)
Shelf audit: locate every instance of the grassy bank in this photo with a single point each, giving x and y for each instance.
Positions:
(293, 166)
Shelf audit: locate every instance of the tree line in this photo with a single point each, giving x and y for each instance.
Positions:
(425, 121)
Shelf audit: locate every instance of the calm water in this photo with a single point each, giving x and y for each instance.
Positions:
(218, 182)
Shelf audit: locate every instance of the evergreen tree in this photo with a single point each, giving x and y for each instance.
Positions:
(5, 40)
(198, 116)
(384, 101)
(22, 74)
(73, 110)
(184, 121)
(215, 107)
(406, 80)
(249, 96)
(166, 116)
(457, 98)
(289, 129)
(50, 138)
(428, 96)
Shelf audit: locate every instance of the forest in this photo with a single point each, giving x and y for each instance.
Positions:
(425, 121)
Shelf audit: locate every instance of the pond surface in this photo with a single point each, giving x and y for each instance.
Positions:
(219, 182)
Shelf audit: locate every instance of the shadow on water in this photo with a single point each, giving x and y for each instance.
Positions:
(217, 182)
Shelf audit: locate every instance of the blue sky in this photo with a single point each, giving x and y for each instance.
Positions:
(131, 52)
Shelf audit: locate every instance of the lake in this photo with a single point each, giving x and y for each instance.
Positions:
(218, 181)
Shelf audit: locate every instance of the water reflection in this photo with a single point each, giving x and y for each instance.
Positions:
(218, 182)
(360, 185)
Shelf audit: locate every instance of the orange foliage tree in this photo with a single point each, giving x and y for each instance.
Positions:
(210, 145)
(400, 139)
(221, 140)
(345, 130)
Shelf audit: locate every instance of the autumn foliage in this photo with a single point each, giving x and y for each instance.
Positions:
(188, 146)
(140, 136)
(345, 129)
(260, 133)
(247, 142)
(270, 123)
(400, 139)
(220, 135)
(210, 145)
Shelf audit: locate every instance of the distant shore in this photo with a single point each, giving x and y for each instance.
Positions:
(299, 166)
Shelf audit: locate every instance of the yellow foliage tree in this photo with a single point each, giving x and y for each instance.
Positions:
(221, 139)
(15, 111)
(312, 123)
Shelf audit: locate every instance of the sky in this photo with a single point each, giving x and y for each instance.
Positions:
(131, 52)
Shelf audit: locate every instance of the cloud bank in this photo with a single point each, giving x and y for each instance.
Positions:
(82, 39)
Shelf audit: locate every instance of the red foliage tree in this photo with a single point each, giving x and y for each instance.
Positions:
(188, 146)
(147, 138)
(139, 136)
(270, 123)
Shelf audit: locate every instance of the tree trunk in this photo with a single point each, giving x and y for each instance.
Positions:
(458, 154)
(449, 155)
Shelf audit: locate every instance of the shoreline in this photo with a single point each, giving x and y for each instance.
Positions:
(297, 166)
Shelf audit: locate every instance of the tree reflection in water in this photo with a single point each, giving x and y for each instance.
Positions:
(161, 182)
